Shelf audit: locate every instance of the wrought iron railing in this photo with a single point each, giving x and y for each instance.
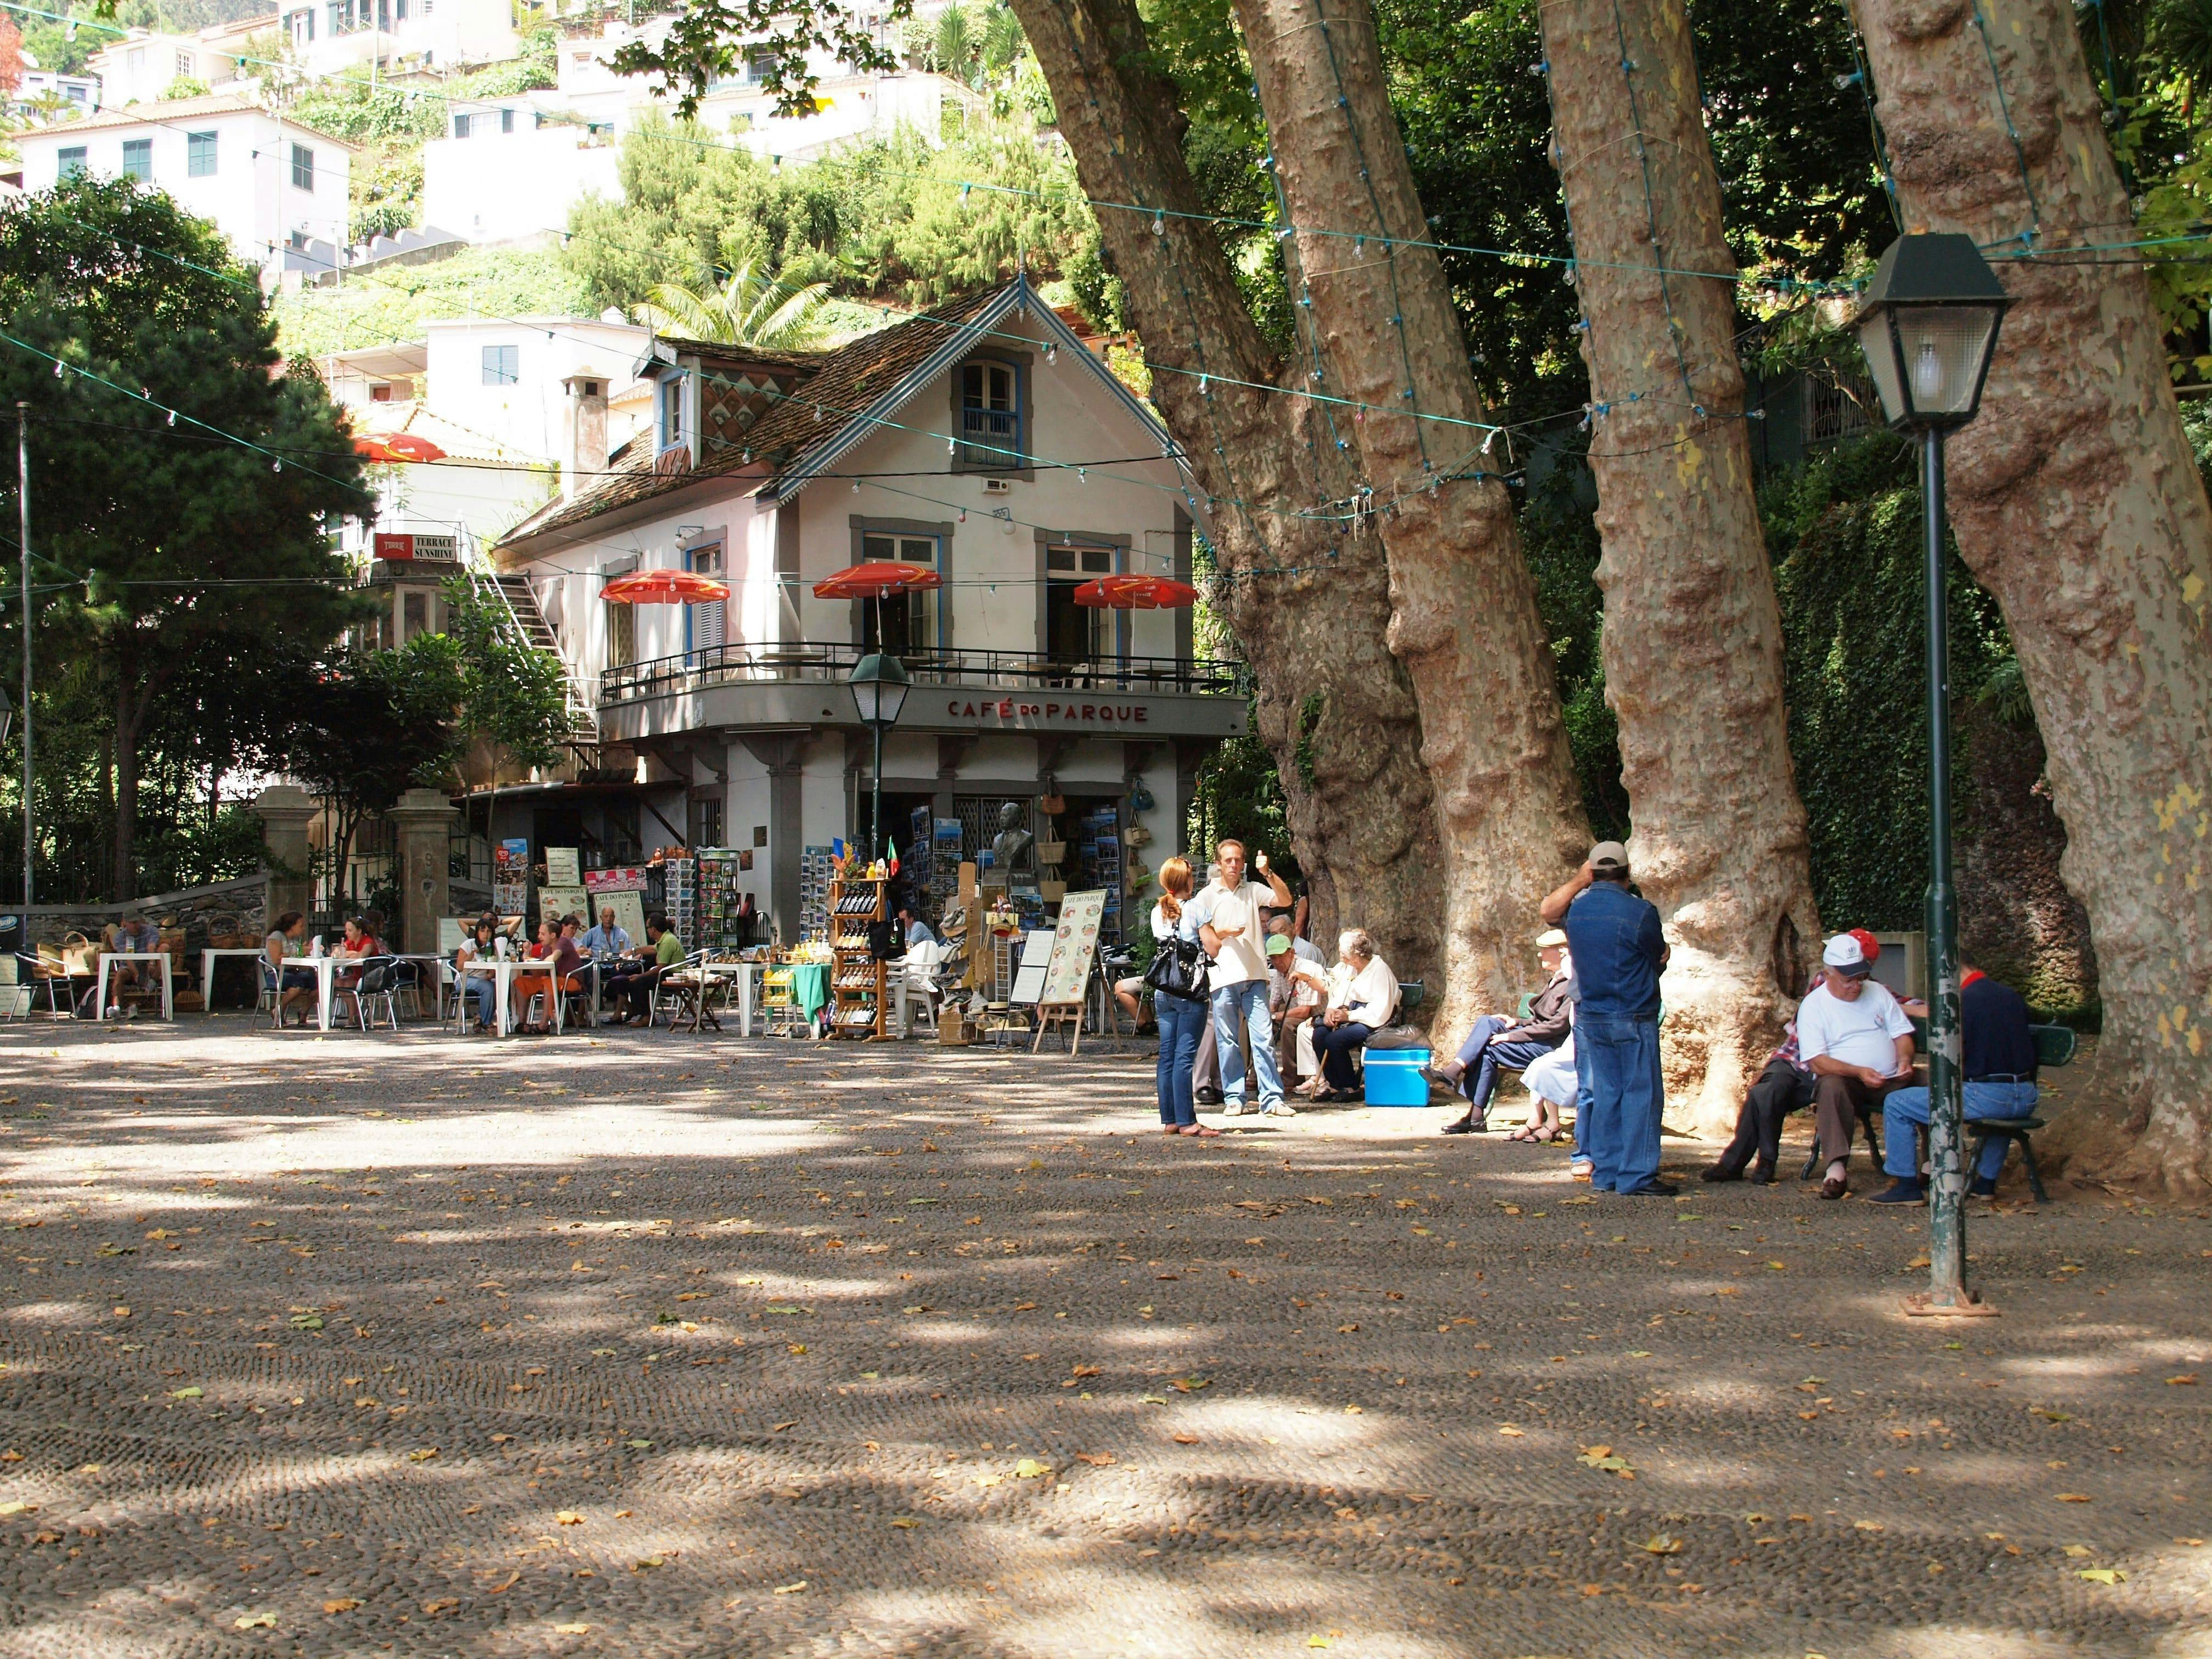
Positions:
(992, 437)
(755, 664)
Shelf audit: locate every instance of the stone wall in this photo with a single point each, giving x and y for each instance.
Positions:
(232, 907)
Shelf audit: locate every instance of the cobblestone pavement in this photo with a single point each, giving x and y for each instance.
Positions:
(643, 1344)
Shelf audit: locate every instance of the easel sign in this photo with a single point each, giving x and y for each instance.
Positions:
(1067, 976)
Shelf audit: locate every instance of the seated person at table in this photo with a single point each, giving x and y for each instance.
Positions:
(358, 943)
(1998, 1065)
(471, 966)
(1504, 1042)
(556, 949)
(1858, 1042)
(293, 985)
(1365, 995)
(633, 989)
(912, 928)
(125, 935)
(606, 939)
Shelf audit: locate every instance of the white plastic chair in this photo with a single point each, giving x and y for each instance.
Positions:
(917, 982)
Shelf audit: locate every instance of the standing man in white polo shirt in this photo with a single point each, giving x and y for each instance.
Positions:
(1229, 914)
(1858, 1042)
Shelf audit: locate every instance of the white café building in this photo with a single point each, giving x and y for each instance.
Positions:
(981, 440)
(268, 183)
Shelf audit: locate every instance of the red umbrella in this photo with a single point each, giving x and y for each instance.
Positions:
(1136, 593)
(876, 581)
(407, 446)
(664, 587)
(372, 449)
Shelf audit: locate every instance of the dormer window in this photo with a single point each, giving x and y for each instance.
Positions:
(991, 417)
(673, 431)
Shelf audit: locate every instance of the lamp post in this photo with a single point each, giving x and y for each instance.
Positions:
(1929, 325)
(880, 685)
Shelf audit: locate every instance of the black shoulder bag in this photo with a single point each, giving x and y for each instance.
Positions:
(1178, 969)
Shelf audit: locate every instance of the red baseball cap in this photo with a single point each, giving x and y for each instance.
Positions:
(1868, 943)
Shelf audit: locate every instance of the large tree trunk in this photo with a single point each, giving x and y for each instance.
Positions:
(1309, 606)
(1692, 634)
(130, 715)
(1463, 617)
(2078, 505)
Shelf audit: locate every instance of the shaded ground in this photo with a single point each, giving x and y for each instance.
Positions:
(650, 1346)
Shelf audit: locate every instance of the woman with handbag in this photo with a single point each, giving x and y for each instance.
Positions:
(1177, 979)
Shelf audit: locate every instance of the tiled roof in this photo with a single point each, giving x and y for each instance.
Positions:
(185, 109)
(846, 381)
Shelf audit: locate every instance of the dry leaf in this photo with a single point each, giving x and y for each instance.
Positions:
(569, 1517)
(1662, 1544)
(443, 1604)
(1507, 1428)
(2187, 1379)
(987, 1479)
(1030, 1469)
(791, 1589)
(1186, 1440)
(2077, 1551)
(2102, 1575)
(2073, 1496)
(342, 1604)
(572, 1630)
(1097, 1459)
(422, 1454)
(254, 1621)
(905, 1523)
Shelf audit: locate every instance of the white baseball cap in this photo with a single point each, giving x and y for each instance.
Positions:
(1844, 955)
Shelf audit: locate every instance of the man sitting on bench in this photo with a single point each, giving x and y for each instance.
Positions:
(1998, 1065)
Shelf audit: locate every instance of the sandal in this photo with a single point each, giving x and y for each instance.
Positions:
(1543, 1137)
(1200, 1129)
(1523, 1135)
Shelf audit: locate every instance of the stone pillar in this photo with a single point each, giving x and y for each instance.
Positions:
(285, 811)
(422, 825)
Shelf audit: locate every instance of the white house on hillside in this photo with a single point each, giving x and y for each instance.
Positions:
(268, 183)
(509, 169)
(142, 66)
(981, 442)
(330, 36)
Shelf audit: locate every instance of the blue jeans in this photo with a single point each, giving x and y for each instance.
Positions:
(1499, 1056)
(1334, 1045)
(1246, 1002)
(1621, 1128)
(1180, 1020)
(484, 994)
(1903, 1108)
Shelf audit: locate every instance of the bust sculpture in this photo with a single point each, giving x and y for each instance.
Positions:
(1013, 842)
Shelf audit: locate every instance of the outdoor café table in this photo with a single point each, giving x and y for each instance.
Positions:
(207, 960)
(325, 968)
(99, 995)
(742, 972)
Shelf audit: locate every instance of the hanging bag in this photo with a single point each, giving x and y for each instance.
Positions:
(1178, 969)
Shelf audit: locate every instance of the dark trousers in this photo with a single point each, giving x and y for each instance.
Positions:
(1838, 1103)
(1335, 1045)
(1781, 1090)
(633, 992)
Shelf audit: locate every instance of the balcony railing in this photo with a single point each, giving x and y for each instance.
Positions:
(764, 665)
(991, 437)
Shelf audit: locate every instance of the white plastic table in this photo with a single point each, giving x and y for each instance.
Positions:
(99, 995)
(207, 960)
(325, 968)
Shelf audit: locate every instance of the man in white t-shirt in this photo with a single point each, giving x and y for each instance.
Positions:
(1228, 913)
(1859, 1045)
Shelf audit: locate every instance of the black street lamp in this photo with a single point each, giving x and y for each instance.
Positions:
(1929, 325)
(880, 685)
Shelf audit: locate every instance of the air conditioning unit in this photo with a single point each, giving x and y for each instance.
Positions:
(998, 486)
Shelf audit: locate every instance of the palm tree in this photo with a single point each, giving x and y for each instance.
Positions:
(1003, 41)
(954, 47)
(751, 309)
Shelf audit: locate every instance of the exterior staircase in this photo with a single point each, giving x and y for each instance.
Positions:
(510, 590)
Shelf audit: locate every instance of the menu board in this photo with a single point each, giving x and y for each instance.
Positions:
(1073, 945)
(562, 868)
(553, 901)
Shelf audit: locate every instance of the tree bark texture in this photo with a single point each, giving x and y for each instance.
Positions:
(1376, 314)
(1693, 634)
(2077, 503)
(1334, 708)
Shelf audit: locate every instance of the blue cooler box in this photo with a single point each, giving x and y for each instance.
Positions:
(1393, 1076)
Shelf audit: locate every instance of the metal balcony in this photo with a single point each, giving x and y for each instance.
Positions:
(743, 664)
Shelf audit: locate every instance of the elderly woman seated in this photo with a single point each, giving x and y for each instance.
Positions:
(1362, 997)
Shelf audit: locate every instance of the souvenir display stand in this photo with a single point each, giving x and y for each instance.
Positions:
(861, 1003)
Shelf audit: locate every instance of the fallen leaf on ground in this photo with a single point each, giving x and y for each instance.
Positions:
(569, 1517)
(342, 1604)
(905, 1523)
(254, 1621)
(987, 1479)
(572, 1630)
(422, 1454)
(1151, 1399)
(2073, 1496)
(1030, 1469)
(1507, 1428)
(1097, 1459)
(791, 1589)
(2187, 1379)
(186, 1393)
(1662, 1544)
(1186, 1440)
(17, 1507)
(646, 1564)
(2102, 1575)
(443, 1604)
(2077, 1551)
(1189, 1384)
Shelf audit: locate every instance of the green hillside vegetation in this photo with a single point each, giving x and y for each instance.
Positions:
(394, 301)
